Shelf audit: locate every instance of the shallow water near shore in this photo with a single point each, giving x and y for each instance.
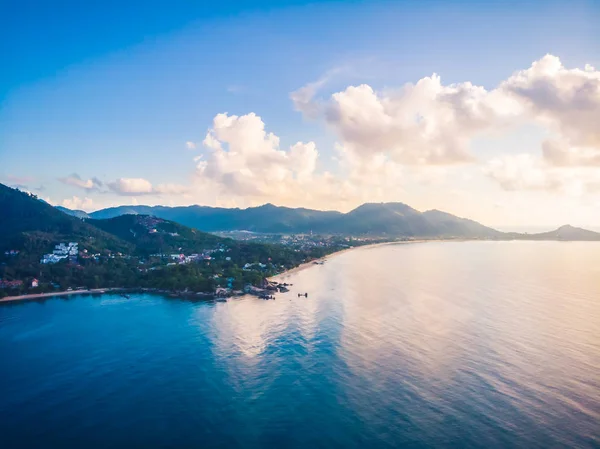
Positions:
(467, 344)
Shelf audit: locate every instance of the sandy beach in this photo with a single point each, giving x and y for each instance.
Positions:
(57, 294)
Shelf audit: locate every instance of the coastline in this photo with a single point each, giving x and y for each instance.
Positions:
(275, 278)
(33, 296)
(305, 265)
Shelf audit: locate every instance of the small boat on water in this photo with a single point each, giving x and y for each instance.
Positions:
(124, 295)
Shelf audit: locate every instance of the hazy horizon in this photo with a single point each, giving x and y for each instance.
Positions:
(499, 227)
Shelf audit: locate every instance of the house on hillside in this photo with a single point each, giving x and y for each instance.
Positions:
(60, 252)
(35, 283)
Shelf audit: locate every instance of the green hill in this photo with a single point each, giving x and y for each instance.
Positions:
(128, 251)
(151, 235)
(33, 225)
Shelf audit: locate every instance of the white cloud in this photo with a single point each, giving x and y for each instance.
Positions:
(246, 160)
(131, 186)
(76, 203)
(429, 123)
(426, 123)
(171, 189)
(560, 153)
(387, 139)
(303, 98)
(246, 165)
(85, 184)
(567, 102)
(141, 186)
(525, 172)
(521, 172)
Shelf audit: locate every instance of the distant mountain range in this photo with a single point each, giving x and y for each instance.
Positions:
(371, 219)
(377, 219)
(564, 233)
(74, 213)
(34, 226)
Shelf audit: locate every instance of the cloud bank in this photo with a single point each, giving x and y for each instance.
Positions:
(77, 203)
(387, 139)
(141, 186)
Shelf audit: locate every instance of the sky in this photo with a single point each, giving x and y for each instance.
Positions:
(487, 110)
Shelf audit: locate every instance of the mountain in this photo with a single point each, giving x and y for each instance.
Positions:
(266, 218)
(151, 235)
(34, 227)
(395, 219)
(112, 212)
(370, 219)
(375, 219)
(398, 219)
(566, 233)
(118, 252)
(451, 225)
(74, 213)
(32, 224)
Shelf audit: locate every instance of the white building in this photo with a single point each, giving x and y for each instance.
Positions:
(60, 252)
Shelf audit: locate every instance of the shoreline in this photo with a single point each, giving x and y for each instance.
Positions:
(275, 278)
(305, 265)
(33, 296)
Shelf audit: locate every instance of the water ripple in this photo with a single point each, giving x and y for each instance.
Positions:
(471, 345)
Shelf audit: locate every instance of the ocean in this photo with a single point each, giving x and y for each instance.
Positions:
(428, 345)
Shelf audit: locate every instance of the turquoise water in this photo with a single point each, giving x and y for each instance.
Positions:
(482, 344)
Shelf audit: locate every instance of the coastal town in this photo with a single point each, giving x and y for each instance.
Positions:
(48, 252)
(221, 269)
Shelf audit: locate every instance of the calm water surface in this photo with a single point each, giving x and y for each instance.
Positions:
(479, 344)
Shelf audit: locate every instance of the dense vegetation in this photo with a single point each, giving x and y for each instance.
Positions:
(128, 251)
(34, 226)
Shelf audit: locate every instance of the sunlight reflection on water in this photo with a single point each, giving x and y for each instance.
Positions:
(478, 344)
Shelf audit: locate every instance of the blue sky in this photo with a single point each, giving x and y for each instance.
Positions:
(115, 91)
